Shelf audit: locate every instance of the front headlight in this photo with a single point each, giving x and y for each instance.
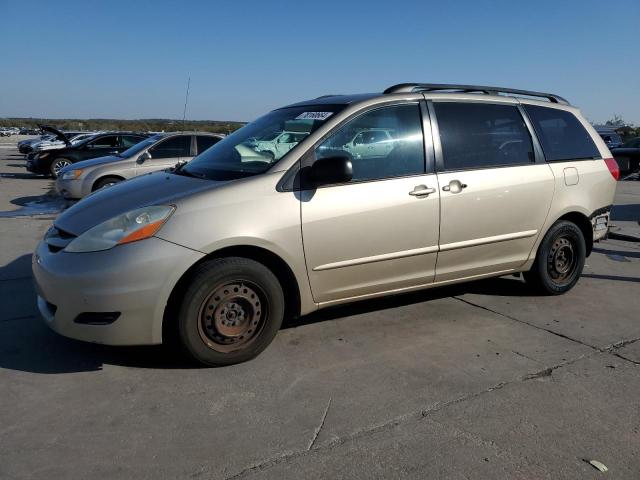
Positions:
(129, 227)
(72, 174)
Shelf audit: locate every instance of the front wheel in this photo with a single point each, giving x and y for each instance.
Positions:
(231, 311)
(560, 259)
(105, 182)
(57, 165)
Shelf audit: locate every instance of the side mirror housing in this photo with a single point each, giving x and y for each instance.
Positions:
(143, 157)
(330, 170)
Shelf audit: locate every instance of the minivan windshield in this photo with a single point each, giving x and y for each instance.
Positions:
(256, 147)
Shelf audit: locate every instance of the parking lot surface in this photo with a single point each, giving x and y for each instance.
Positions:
(483, 380)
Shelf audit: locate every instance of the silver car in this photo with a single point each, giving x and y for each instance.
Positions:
(158, 152)
(479, 182)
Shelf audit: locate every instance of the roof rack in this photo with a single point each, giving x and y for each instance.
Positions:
(435, 87)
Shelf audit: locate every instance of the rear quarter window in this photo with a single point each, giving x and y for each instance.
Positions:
(561, 134)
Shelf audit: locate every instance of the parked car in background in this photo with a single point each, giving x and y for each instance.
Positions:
(57, 143)
(24, 146)
(278, 143)
(628, 156)
(609, 135)
(158, 152)
(215, 253)
(30, 131)
(100, 145)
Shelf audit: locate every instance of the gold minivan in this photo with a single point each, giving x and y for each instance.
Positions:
(419, 186)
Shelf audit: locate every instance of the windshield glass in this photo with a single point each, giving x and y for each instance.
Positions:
(258, 146)
(138, 147)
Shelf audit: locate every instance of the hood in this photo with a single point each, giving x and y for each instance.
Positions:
(59, 135)
(94, 162)
(158, 188)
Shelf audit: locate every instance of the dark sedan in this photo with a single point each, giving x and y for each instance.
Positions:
(103, 144)
(628, 156)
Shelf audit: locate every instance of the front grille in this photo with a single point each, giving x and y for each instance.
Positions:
(97, 318)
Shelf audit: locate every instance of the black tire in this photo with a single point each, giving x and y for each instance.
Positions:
(559, 261)
(57, 165)
(231, 311)
(105, 182)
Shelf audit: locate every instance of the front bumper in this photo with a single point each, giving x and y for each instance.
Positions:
(71, 189)
(34, 165)
(133, 280)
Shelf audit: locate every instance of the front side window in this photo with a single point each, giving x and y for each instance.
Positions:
(254, 148)
(482, 135)
(382, 143)
(174, 147)
(561, 134)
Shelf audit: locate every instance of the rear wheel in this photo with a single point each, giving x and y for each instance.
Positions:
(560, 259)
(231, 311)
(57, 165)
(105, 182)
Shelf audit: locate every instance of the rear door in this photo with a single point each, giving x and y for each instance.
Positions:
(495, 188)
(166, 153)
(378, 232)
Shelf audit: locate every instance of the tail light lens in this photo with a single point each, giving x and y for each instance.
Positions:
(612, 165)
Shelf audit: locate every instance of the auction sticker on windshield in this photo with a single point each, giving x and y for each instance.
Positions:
(314, 115)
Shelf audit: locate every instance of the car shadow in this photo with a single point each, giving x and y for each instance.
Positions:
(27, 344)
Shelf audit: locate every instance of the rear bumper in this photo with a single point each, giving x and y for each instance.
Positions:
(600, 223)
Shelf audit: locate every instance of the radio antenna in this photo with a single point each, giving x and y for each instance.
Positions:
(186, 101)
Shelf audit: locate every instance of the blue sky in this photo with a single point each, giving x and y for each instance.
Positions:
(131, 59)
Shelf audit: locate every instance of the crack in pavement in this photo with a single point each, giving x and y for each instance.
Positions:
(548, 330)
(424, 413)
(607, 349)
(319, 428)
(394, 422)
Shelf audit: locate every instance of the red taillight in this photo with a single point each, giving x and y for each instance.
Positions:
(612, 165)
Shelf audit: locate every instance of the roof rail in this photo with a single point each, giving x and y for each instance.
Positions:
(435, 87)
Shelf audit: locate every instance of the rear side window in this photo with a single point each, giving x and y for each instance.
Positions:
(130, 140)
(561, 134)
(205, 141)
(481, 135)
(179, 146)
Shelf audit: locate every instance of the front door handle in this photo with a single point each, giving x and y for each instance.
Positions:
(455, 186)
(422, 191)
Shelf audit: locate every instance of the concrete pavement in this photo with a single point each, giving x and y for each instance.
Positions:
(483, 380)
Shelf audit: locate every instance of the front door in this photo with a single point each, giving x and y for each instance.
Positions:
(100, 147)
(378, 232)
(494, 196)
(166, 154)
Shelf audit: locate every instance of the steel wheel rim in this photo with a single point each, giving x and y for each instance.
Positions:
(60, 165)
(232, 316)
(562, 259)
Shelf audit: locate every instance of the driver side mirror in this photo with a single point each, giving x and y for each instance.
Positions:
(330, 170)
(143, 157)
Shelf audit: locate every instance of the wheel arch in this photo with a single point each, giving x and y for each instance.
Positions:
(102, 177)
(584, 224)
(271, 260)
